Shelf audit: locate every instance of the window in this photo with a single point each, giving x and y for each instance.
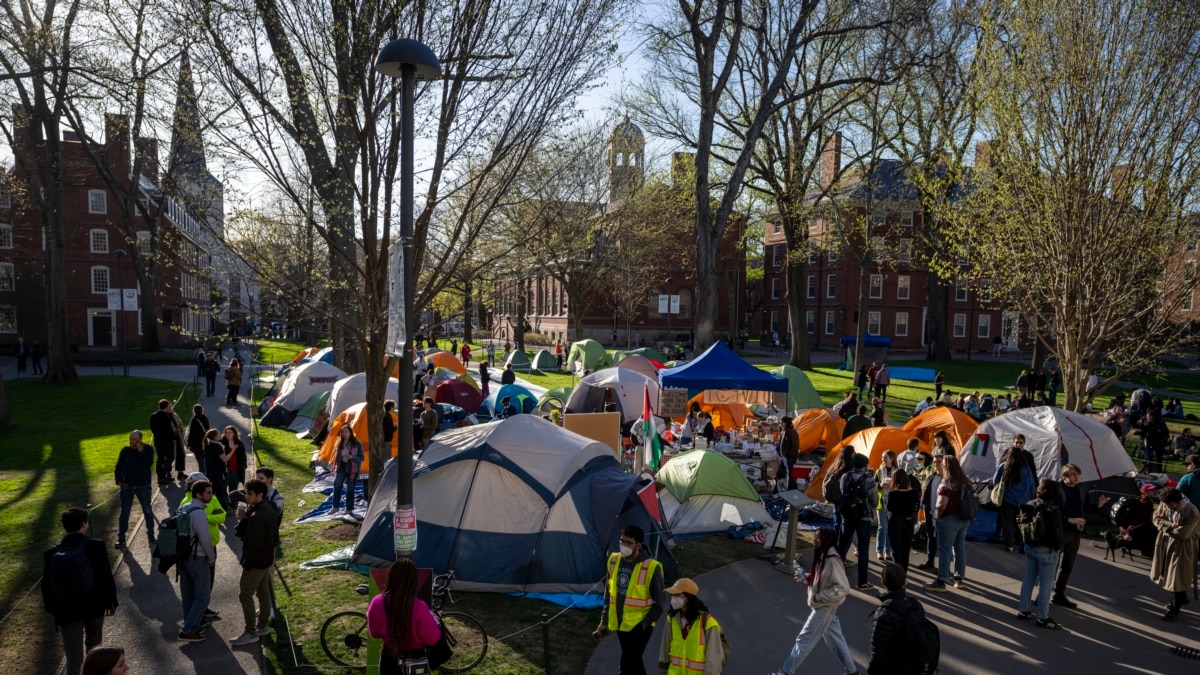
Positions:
(778, 227)
(1187, 301)
(620, 159)
(833, 253)
(985, 290)
(906, 219)
(8, 277)
(99, 241)
(8, 319)
(100, 280)
(810, 322)
(652, 308)
(873, 321)
(812, 286)
(5, 198)
(829, 322)
(775, 288)
(960, 325)
(876, 286)
(812, 254)
(97, 201)
(831, 286)
(878, 249)
(878, 218)
(903, 286)
(6, 238)
(906, 250)
(777, 255)
(632, 159)
(901, 324)
(1189, 271)
(985, 326)
(143, 243)
(774, 320)
(685, 304)
(960, 290)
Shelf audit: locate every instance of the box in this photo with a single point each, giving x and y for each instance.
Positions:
(770, 467)
(803, 471)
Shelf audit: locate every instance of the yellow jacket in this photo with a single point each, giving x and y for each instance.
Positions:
(213, 513)
(641, 596)
(700, 653)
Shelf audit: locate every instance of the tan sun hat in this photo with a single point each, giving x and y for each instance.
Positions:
(684, 585)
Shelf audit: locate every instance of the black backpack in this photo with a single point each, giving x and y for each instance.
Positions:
(176, 542)
(70, 573)
(1040, 523)
(1124, 511)
(853, 505)
(968, 502)
(924, 642)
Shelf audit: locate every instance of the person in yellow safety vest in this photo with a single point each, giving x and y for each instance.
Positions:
(691, 644)
(633, 599)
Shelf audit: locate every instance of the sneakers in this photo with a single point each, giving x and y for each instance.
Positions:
(244, 639)
(210, 614)
(1024, 616)
(1049, 624)
(120, 543)
(927, 565)
(935, 587)
(263, 632)
(956, 582)
(1062, 601)
(191, 637)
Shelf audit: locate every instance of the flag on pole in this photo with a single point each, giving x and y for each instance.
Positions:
(653, 451)
(648, 495)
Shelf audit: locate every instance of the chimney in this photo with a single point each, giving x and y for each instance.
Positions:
(831, 160)
(1120, 184)
(147, 151)
(683, 169)
(116, 143)
(983, 156)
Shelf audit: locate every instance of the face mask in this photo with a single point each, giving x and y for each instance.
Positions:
(626, 550)
(677, 602)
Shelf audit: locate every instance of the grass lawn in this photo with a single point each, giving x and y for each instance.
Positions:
(59, 452)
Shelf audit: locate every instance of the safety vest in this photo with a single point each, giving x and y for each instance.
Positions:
(637, 596)
(687, 653)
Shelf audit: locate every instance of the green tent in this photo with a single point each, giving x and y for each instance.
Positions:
(801, 393)
(705, 491)
(519, 360)
(556, 397)
(648, 352)
(590, 354)
(543, 361)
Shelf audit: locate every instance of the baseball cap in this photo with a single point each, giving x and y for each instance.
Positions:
(195, 476)
(684, 585)
(1148, 487)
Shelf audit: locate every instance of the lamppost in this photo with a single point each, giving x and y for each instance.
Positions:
(120, 253)
(670, 339)
(408, 60)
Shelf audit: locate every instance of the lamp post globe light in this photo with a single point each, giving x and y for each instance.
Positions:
(120, 253)
(410, 61)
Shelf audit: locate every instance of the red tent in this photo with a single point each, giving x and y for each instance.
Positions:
(461, 394)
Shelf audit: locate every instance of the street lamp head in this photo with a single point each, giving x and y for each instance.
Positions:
(670, 280)
(408, 52)
(120, 253)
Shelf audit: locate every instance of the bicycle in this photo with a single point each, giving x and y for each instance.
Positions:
(344, 635)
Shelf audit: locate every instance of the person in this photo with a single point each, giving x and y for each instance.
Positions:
(78, 589)
(858, 487)
(1053, 384)
(789, 448)
(466, 353)
(197, 428)
(1174, 564)
(558, 353)
(105, 660)
(922, 406)
(22, 356)
(1037, 383)
(1019, 477)
(1155, 436)
(860, 381)
(997, 346)
(879, 416)
(235, 475)
(214, 513)
(951, 527)
(847, 407)
(882, 379)
(831, 484)
(389, 423)
(691, 642)
(198, 357)
(1189, 483)
(1073, 523)
(871, 372)
(1023, 382)
(429, 383)
(901, 506)
(939, 381)
(1137, 532)
(987, 406)
(35, 355)
(216, 463)
(429, 422)
(634, 596)
(211, 368)
(166, 435)
(348, 454)
(402, 620)
(827, 590)
(267, 475)
(1043, 547)
(133, 476)
(691, 424)
(707, 429)
(1174, 409)
(196, 571)
(507, 409)
(1185, 444)
(508, 376)
(454, 346)
(485, 377)
(1003, 403)
(233, 382)
(259, 531)
(890, 645)
(930, 480)
(856, 422)
(907, 460)
(883, 478)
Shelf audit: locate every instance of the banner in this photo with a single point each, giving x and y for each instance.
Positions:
(728, 396)
(397, 333)
(405, 523)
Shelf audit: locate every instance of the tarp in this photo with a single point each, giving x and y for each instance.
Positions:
(518, 360)
(818, 428)
(1054, 436)
(873, 443)
(309, 411)
(519, 506)
(720, 369)
(727, 415)
(352, 390)
(705, 491)
(587, 355)
(461, 394)
(304, 381)
(957, 424)
(912, 373)
(543, 361)
(802, 395)
(522, 399)
(359, 419)
(868, 341)
(628, 388)
(640, 364)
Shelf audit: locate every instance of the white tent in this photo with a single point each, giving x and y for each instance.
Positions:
(639, 363)
(353, 389)
(628, 386)
(305, 380)
(1054, 436)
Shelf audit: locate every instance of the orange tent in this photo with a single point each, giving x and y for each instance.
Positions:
(957, 424)
(358, 419)
(729, 416)
(447, 360)
(818, 428)
(873, 442)
(304, 354)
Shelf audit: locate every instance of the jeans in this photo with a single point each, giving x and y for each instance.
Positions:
(195, 589)
(128, 492)
(633, 646)
(255, 583)
(1040, 563)
(821, 624)
(900, 536)
(931, 545)
(74, 644)
(210, 385)
(342, 477)
(1008, 524)
(1069, 553)
(952, 538)
(863, 530)
(883, 538)
(231, 394)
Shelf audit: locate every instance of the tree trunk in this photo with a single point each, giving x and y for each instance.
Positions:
(937, 309)
(468, 309)
(794, 284)
(58, 344)
(377, 378)
(1038, 354)
(5, 416)
(147, 283)
(860, 329)
(707, 249)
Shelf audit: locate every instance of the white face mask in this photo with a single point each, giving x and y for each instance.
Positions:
(677, 602)
(626, 550)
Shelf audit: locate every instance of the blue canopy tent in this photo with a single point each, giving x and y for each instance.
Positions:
(719, 369)
(875, 348)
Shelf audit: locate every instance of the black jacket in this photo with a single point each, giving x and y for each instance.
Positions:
(889, 636)
(100, 599)
(508, 377)
(196, 430)
(162, 425)
(134, 468)
(214, 467)
(260, 534)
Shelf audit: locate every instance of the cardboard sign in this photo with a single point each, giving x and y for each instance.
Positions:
(672, 402)
(604, 427)
(729, 396)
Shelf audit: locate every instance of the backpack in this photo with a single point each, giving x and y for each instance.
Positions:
(968, 503)
(854, 501)
(1036, 521)
(831, 488)
(70, 573)
(923, 642)
(1124, 511)
(725, 646)
(175, 538)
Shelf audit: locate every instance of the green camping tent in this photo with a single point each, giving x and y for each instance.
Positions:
(544, 361)
(590, 354)
(648, 352)
(556, 398)
(706, 491)
(801, 393)
(519, 360)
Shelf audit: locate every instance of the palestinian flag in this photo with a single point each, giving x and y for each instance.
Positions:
(652, 448)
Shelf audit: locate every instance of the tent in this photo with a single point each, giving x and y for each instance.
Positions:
(359, 419)
(430, 352)
(873, 442)
(727, 415)
(554, 398)
(628, 388)
(818, 428)
(446, 360)
(589, 354)
(720, 369)
(1054, 436)
(353, 389)
(802, 395)
(304, 354)
(518, 360)
(309, 411)
(639, 363)
(957, 424)
(875, 347)
(519, 506)
(325, 355)
(648, 352)
(543, 361)
(460, 394)
(304, 381)
(521, 398)
(705, 491)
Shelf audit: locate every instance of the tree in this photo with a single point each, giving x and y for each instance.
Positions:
(1089, 184)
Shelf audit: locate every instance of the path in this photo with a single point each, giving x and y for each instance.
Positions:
(1115, 630)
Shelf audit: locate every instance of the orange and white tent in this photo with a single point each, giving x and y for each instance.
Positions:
(873, 443)
(957, 424)
(818, 428)
(359, 420)
(727, 415)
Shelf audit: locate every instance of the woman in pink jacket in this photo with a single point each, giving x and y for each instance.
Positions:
(404, 621)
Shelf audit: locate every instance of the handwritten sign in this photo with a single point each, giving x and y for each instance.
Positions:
(728, 396)
(672, 402)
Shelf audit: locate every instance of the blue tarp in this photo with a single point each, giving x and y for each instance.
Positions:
(869, 340)
(912, 373)
(720, 368)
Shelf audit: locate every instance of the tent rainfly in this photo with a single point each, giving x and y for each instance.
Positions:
(543, 362)
(873, 442)
(353, 389)
(802, 395)
(587, 355)
(518, 360)
(628, 388)
(725, 377)
(705, 491)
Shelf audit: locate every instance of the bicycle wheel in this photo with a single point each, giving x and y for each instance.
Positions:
(467, 638)
(344, 639)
